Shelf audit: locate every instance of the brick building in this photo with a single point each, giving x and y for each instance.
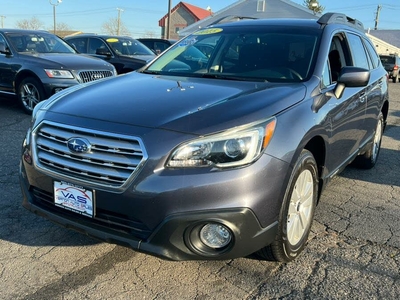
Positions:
(182, 15)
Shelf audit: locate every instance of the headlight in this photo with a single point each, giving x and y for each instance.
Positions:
(63, 74)
(235, 147)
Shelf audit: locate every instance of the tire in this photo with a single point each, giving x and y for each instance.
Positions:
(395, 78)
(297, 212)
(370, 157)
(30, 93)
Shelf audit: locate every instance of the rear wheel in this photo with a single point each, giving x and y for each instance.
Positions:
(370, 157)
(30, 93)
(297, 212)
(395, 78)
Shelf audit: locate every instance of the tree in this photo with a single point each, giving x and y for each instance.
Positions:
(115, 27)
(314, 6)
(32, 23)
(149, 34)
(62, 27)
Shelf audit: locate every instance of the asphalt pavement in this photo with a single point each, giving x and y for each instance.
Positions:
(353, 251)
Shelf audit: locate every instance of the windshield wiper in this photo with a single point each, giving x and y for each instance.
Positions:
(150, 72)
(230, 77)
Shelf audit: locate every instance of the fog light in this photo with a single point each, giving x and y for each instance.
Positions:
(215, 235)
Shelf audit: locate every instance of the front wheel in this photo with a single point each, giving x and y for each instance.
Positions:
(30, 93)
(370, 157)
(297, 212)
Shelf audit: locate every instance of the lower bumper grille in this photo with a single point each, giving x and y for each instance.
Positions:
(110, 220)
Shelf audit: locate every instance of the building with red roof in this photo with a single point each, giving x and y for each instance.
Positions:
(182, 15)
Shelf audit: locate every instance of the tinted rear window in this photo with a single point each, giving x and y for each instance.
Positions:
(387, 59)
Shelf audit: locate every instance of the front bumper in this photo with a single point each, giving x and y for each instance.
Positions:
(173, 238)
(54, 86)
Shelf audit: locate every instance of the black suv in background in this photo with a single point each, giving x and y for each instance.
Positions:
(391, 63)
(125, 53)
(212, 156)
(157, 45)
(36, 64)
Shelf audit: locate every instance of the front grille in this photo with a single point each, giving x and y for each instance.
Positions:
(88, 76)
(105, 218)
(110, 162)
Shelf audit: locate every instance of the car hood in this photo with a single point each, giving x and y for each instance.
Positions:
(191, 105)
(67, 61)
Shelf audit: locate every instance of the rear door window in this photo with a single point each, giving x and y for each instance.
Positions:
(372, 53)
(357, 48)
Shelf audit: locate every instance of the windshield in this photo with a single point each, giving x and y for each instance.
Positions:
(127, 46)
(269, 53)
(38, 43)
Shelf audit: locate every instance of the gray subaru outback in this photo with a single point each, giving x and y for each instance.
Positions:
(212, 156)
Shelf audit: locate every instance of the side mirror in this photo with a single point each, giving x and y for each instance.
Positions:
(348, 77)
(354, 76)
(103, 51)
(351, 77)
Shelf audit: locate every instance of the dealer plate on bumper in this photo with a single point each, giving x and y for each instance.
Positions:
(74, 198)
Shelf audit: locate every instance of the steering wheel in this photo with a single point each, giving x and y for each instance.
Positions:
(295, 73)
(288, 72)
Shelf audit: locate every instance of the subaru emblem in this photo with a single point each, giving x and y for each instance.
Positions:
(78, 145)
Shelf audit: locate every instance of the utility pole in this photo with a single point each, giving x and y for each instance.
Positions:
(119, 20)
(2, 21)
(377, 16)
(54, 13)
(169, 20)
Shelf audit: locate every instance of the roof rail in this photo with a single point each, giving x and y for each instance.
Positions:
(331, 18)
(230, 18)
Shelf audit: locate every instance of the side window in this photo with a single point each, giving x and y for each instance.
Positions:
(358, 51)
(18, 42)
(4, 47)
(326, 75)
(80, 44)
(95, 44)
(335, 58)
(372, 53)
(3, 42)
(160, 47)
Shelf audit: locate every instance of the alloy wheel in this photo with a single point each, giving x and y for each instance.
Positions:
(300, 207)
